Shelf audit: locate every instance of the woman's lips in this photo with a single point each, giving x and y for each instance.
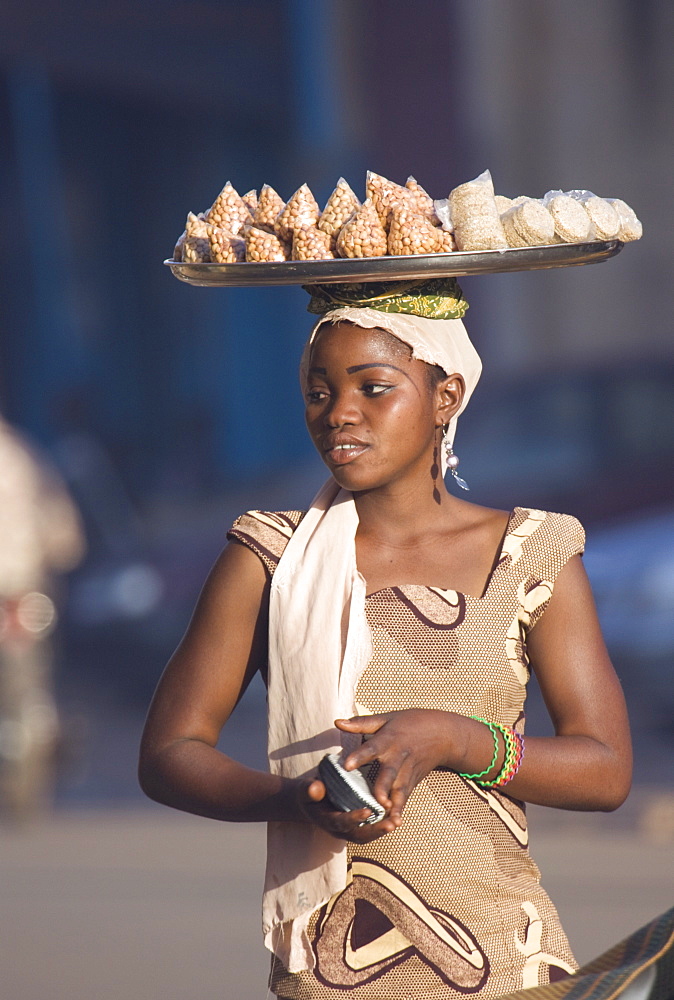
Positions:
(341, 454)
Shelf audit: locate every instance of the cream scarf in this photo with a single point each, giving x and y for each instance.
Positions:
(319, 645)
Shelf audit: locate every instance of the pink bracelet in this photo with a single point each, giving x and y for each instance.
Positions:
(514, 765)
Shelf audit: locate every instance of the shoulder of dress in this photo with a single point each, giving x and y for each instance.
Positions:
(283, 521)
(266, 532)
(533, 534)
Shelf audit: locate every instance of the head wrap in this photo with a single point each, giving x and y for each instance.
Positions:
(319, 639)
(435, 298)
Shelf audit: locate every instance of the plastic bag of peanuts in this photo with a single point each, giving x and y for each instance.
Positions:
(229, 211)
(339, 207)
(301, 210)
(363, 235)
(269, 205)
(311, 243)
(410, 233)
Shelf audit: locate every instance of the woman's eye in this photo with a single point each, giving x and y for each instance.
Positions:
(316, 395)
(375, 388)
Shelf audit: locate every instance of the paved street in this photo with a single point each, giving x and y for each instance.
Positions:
(147, 904)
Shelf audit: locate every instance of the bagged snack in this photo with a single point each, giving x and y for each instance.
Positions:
(228, 211)
(269, 204)
(250, 201)
(410, 233)
(572, 223)
(502, 203)
(311, 243)
(384, 194)
(363, 235)
(475, 216)
(444, 214)
(472, 199)
(262, 245)
(196, 247)
(339, 207)
(481, 233)
(630, 226)
(528, 224)
(447, 240)
(603, 216)
(178, 249)
(226, 248)
(421, 202)
(301, 210)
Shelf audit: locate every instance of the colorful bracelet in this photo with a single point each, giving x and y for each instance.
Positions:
(493, 727)
(512, 760)
(509, 774)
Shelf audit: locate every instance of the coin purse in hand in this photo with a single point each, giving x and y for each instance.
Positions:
(348, 790)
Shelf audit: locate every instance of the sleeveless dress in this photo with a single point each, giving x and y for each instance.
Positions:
(450, 904)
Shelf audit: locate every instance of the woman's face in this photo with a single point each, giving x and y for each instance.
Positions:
(371, 409)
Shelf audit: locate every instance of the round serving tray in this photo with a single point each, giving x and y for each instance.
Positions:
(434, 265)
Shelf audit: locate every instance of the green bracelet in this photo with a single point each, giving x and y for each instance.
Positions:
(493, 729)
(511, 747)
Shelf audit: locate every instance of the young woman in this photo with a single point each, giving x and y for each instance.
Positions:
(397, 623)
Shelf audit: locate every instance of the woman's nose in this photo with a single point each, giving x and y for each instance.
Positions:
(342, 410)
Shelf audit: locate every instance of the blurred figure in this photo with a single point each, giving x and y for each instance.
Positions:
(40, 537)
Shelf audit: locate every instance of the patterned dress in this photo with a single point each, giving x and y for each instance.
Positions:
(450, 904)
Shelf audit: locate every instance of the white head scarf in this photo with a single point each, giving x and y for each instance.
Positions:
(319, 645)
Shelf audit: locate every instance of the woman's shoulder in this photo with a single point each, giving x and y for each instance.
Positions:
(266, 532)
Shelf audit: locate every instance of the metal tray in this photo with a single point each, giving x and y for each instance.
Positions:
(435, 265)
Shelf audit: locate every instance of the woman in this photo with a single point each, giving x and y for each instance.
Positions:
(399, 623)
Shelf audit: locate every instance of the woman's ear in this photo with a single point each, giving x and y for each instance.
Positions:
(449, 395)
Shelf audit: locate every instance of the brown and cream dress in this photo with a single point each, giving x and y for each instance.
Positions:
(450, 904)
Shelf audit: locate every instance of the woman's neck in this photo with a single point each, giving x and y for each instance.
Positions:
(399, 510)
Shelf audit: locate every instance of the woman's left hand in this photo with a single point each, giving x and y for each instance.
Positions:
(408, 745)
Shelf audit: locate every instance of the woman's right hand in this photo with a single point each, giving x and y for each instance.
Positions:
(315, 807)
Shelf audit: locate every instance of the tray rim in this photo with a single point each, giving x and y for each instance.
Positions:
(415, 266)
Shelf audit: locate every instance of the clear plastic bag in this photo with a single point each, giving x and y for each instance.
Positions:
(528, 223)
(475, 215)
(630, 226)
(603, 216)
(572, 223)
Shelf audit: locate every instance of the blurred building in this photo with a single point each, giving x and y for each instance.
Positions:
(120, 117)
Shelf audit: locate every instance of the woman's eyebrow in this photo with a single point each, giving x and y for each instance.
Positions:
(379, 364)
(319, 371)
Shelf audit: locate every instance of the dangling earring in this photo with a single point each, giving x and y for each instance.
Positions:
(453, 464)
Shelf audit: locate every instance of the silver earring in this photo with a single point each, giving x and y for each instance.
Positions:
(453, 464)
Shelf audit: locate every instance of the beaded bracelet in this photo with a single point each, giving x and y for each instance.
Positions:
(493, 728)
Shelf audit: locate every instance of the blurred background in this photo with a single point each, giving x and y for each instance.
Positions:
(163, 411)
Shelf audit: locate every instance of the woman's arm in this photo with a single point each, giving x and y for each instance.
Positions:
(224, 646)
(586, 765)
